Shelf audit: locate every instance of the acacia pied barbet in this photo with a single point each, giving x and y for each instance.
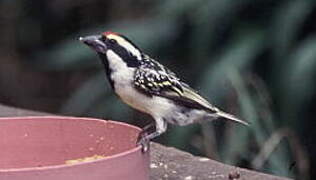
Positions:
(150, 87)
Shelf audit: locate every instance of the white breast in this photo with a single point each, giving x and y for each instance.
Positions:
(123, 77)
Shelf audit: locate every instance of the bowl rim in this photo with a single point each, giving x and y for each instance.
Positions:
(59, 166)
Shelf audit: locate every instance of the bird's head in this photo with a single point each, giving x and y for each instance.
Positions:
(109, 43)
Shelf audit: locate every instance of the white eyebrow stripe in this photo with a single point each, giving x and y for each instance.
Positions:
(128, 46)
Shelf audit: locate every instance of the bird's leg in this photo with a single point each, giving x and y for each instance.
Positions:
(144, 137)
(148, 127)
(145, 131)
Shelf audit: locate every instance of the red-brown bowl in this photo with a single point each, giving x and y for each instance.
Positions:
(36, 148)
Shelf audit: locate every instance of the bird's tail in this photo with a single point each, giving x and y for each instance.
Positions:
(231, 117)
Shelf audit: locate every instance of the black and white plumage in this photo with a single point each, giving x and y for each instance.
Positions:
(150, 87)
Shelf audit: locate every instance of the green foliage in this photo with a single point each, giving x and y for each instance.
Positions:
(239, 54)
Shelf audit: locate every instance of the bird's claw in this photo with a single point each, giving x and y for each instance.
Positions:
(143, 141)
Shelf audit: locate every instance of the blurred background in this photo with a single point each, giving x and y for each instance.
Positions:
(255, 59)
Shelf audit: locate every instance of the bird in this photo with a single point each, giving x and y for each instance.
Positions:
(150, 87)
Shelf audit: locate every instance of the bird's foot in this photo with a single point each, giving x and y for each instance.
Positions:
(143, 141)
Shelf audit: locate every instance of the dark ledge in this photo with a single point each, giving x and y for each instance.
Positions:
(172, 164)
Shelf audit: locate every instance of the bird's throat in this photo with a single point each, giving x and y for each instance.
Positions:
(105, 63)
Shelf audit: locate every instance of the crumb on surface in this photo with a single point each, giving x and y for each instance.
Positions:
(188, 178)
(153, 165)
(204, 159)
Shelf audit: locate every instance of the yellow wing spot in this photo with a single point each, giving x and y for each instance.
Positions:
(166, 83)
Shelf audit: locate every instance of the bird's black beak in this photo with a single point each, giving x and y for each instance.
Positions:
(95, 43)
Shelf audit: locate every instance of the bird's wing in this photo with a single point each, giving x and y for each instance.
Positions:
(152, 78)
(156, 79)
(190, 96)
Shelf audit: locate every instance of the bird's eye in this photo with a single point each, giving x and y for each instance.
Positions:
(103, 38)
(113, 41)
(131, 54)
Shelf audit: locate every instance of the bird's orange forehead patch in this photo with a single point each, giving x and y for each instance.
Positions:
(109, 33)
(113, 35)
